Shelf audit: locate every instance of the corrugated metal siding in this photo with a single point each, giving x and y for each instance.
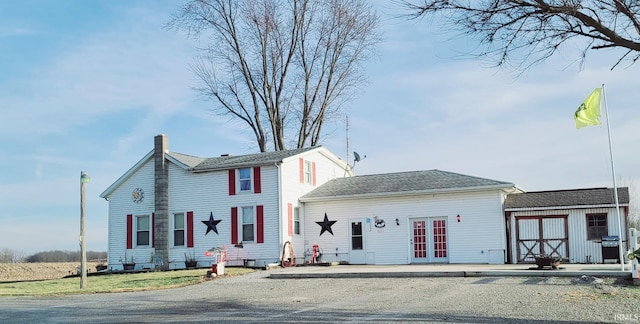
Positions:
(553, 228)
(581, 250)
(481, 229)
(528, 229)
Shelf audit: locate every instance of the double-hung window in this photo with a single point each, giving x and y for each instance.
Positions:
(596, 226)
(296, 220)
(245, 179)
(307, 171)
(247, 224)
(142, 230)
(178, 229)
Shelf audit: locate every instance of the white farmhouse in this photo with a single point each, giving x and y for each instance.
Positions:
(171, 206)
(306, 204)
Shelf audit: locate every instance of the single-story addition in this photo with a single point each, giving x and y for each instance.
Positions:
(170, 207)
(429, 216)
(566, 223)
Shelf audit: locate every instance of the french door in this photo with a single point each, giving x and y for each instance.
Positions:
(429, 240)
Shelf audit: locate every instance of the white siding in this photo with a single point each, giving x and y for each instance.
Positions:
(581, 250)
(207, 192)
(293, 189)
(201, 193)
(120, 205)
(481, 228)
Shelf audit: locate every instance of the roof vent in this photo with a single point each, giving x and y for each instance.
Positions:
(225, 155)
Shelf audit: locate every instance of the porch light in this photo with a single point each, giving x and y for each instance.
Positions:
(458, 218)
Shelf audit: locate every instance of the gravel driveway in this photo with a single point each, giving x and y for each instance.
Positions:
(254, 298)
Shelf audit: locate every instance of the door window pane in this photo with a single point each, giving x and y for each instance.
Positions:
(356, 236)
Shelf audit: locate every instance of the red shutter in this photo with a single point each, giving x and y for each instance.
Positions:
(234, 225)
(260, 224)
(257, 186)
(232, 182)
(290, 218)
(301, 170)
(189, 229)
(313, 173)
(129, 231)
(153, 229)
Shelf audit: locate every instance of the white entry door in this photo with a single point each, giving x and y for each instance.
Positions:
(429, 240)
(357, 250)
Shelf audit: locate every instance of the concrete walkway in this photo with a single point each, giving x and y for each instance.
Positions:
(450, 270)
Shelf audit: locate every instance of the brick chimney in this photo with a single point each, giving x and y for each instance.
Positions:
(161, 188)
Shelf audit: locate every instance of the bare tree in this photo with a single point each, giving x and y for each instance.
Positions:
(533, 30)
(10, 256)
(282, 67)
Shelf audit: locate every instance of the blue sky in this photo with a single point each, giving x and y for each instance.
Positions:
(85, 85)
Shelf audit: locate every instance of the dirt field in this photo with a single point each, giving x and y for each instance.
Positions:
(38, 271)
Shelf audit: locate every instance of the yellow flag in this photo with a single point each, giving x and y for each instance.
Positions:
(589, 111)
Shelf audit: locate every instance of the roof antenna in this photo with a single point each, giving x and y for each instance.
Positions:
(347, 135)
(356, 156)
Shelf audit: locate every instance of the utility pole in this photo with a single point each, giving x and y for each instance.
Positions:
(84, 179)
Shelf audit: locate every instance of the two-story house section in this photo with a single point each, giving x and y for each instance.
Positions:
(170, 207)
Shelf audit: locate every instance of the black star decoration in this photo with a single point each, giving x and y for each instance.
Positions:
(211, 224)
(326, 225)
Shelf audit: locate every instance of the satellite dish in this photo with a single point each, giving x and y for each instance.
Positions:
(357, 158)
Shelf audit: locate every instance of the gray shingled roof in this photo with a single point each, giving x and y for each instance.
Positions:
(559, 198)
(402, 182)
(225, 162)
(188, 160)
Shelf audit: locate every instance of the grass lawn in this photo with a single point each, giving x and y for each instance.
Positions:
(109, 283)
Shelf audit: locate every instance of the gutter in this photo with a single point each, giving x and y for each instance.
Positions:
(406, 193)
(563, 207)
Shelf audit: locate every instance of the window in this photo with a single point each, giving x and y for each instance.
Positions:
(245, 179)
(178, 229)
(247, 224)
(596, 226)
(307, 171)
(142, 230)
(356, 236)
(296, 220)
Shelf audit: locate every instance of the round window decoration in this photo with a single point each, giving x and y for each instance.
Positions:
(137, 195)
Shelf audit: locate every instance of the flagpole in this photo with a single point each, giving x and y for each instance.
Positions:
(615, 187)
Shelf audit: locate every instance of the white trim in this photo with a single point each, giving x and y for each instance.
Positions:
(563, 207)
(254, 223)
(406, 193)
(177, 162)
(172, 226)
(126, 175)
(135, 231)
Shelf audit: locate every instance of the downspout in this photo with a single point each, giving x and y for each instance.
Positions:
(280, 231)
